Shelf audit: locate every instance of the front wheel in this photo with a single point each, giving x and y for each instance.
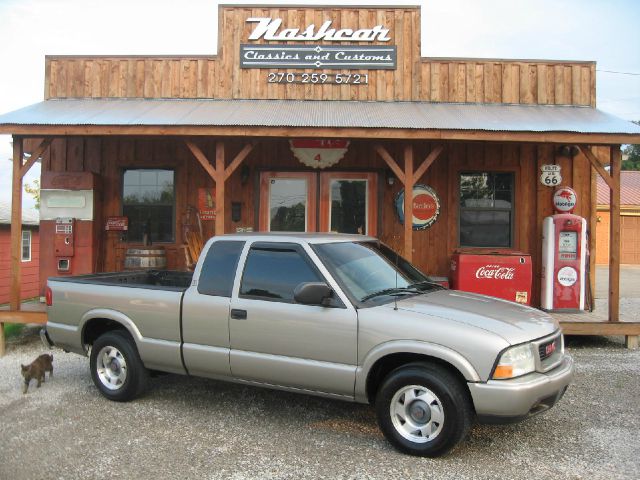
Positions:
(423, 410)
(116, 368)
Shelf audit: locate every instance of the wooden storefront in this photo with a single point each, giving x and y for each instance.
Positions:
(241, 160)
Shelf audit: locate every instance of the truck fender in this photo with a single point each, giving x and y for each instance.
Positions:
(435, 350)
(107, 314)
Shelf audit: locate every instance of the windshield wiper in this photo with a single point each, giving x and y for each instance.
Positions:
(390, 291)
(425, 283)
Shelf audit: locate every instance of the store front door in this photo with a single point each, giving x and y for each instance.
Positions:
(344, 202)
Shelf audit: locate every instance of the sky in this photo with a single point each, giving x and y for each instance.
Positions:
(607, 31)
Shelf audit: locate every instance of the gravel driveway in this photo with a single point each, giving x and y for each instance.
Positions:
(194, 428)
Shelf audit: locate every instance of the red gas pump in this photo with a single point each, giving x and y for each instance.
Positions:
(564, 248)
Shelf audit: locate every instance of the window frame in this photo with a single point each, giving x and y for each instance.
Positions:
(22, 245)
(280, 246)
(174, 230)
(512, 229)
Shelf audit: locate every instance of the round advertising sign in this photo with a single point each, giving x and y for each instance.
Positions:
(567, 276)
(565, 199)
(426, 206)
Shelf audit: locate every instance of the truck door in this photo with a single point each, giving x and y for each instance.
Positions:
(205, 311)
(277, 341)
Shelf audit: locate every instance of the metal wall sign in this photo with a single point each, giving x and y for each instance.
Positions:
(426, 206)
(326, 57)
(269, 29)
(550, 175)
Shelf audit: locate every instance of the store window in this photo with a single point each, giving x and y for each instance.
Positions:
(486, 209)
(26, 245)
(148, 200)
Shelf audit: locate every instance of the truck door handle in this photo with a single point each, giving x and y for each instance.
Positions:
(238, 314)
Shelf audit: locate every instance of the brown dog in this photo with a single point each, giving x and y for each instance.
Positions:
(37, 370)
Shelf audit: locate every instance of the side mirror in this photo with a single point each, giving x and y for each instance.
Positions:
(313, 293)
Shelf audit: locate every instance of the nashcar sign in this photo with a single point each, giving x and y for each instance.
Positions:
(363, 57)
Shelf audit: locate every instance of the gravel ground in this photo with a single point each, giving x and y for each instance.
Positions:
(194, 428)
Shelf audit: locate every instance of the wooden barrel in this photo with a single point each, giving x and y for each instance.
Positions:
(143, 258)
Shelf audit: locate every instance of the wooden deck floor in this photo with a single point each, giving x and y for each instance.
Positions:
(30, 312)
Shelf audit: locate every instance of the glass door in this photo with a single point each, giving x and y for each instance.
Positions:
(348, 202)
(288, 201)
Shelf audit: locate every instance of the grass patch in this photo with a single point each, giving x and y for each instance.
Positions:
(12, 330)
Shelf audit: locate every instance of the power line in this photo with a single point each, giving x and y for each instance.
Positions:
(619, 73)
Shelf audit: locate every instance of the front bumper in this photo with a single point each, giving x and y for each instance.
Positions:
(503, 401)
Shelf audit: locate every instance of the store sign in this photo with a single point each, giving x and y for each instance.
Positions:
(207, 203)
(565, 199)
(120, 224)
(550, 175)
(316, 56)
(327, 57)
(426, 206)
(319, 153)
(269, 29)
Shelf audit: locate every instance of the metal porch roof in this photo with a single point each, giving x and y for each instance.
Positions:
(319, 114)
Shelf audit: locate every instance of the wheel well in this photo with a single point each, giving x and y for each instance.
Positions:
(387, 364)
(99, 326)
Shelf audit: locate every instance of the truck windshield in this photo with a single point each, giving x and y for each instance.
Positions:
(368, 270)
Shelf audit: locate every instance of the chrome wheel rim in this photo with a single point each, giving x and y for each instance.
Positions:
(417, 413)
(111, 368)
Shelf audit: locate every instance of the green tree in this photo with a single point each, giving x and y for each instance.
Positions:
(34, 191)
(633, 155)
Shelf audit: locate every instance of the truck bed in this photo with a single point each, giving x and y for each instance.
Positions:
(156, 279)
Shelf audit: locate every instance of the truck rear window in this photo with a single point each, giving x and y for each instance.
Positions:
(219, 268)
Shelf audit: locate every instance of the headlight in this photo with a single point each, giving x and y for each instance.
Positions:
(514, 362)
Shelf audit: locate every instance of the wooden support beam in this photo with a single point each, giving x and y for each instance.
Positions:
(409, 180)
(390, 162)
(37, 153)
(614, 236)
(238, 160)
(202, 158)
(16, 225)
(597, 164)
(220, 169)
(435, 153)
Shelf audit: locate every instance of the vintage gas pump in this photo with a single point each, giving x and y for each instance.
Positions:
(564, 254)
(63, 243)
(69, 224)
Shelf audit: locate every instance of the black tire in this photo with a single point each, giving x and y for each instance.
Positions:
(441, 412)
(116, 368)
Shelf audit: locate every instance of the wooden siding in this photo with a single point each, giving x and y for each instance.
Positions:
(415, 79)
(29, 275)
(432, 248)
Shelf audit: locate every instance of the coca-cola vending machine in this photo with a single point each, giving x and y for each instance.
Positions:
(499, 273)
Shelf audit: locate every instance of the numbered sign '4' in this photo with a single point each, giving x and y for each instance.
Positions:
(550, 175)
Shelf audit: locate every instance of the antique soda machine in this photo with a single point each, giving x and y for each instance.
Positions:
(68, 224)
(564, 255)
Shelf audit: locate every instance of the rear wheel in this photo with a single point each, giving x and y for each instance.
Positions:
(423, 410)
(116, 368)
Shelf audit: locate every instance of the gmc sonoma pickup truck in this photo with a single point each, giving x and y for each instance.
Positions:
(340, 316)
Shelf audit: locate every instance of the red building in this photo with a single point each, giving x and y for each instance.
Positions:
(30, 253)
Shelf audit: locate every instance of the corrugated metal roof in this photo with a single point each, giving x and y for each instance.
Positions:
(330, 114)
(29, 216)
(629, 189)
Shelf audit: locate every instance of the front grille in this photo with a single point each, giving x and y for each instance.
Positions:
(547, 349)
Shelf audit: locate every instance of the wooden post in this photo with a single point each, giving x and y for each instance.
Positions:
(220, 187)
(16, 234)
(614, 236)
(408, 202)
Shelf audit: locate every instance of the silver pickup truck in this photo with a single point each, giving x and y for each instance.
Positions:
(341, 316)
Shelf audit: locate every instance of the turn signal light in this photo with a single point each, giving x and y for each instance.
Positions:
(503, 371)
(48, 295)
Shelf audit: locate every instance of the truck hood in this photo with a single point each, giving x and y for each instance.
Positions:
(514, 322)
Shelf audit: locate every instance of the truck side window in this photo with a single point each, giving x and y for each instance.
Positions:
(273, 274)
(218, 269)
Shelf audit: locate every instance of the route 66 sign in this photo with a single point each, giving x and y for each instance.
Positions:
(550, 176)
